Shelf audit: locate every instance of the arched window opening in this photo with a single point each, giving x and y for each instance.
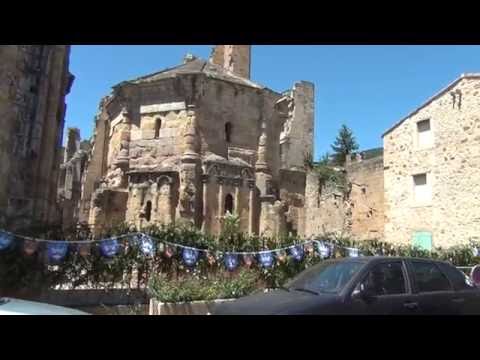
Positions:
(148, 210)
(158, 125)
(228, 132)
(229, 204)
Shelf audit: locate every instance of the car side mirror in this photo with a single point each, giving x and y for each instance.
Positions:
(363, 293)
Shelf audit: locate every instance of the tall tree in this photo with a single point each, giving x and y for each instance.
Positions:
(344, 144)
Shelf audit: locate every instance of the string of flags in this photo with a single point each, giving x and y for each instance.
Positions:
(57, 251)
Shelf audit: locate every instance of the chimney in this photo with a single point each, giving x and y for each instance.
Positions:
(235, 59)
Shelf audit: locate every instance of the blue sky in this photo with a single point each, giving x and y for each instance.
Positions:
(368, 88)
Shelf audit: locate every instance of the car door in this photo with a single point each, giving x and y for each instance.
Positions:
(432, 287)
(466, 299)
(388, 284)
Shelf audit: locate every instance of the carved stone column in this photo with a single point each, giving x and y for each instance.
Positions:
(236, 207)
(221, 203)
(204, 202)
(251, 205)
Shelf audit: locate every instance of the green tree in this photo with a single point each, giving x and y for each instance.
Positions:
(344, 144)
(325, 159)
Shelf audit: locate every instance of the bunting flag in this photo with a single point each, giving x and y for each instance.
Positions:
(231, 261)
(147, 247)
(323, 249)
(282, 256)
(169, 252)
(248, 260)
(352, 252)
(30, 246)
(297, 252)
(56, 251)
(211, 258)
(109, 247)
(190, 256)
(266, 259)
(6, 240)
(309, 248)
(84, 250)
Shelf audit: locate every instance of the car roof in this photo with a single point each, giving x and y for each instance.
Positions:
(366, 259)
(9, 306)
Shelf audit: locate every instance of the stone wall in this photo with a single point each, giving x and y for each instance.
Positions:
(325, 208)
(34, 80)
(452, 165)
(297, 135)
(356, 210)
(187, 142)
(366, 198)
(70, 178)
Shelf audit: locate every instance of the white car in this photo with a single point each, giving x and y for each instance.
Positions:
(9, 306)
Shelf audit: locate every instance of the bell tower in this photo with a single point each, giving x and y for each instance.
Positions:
(233, 58)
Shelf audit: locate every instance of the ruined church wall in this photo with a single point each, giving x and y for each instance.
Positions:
(298, 132)
(34, 80)
(245, 109)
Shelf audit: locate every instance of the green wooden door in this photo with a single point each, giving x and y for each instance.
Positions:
(423, 240)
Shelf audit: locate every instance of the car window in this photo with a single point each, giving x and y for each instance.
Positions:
(326, 277)
(429, 278)
(460, 280)
(385, 279)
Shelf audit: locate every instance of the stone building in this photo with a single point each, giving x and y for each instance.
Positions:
(195, 141)
(34, 80)
(352, 207)
(75, 156)
(432, 169)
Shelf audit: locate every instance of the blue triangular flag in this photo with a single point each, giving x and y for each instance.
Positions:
(265, 258)
(190, 256)
(147, 247)
(109, 247)
(57, 250)
(297, 252)
(5, 240)
(231, 261)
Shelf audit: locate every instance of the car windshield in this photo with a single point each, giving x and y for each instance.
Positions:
(326, 277)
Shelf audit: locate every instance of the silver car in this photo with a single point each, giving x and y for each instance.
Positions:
(9, 306)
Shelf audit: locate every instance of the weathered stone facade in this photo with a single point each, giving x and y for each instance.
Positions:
(70, 178)
(366, 200)
(354, 208)
(432, 168)
(34, 80)
(193, 142)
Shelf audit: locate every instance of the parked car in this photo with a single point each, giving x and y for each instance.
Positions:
(9, 306)
(367, 286)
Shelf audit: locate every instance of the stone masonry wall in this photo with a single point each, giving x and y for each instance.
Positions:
(452, 165)
(34, 80)
(366, 198)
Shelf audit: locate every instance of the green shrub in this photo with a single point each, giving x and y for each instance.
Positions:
(166, 289)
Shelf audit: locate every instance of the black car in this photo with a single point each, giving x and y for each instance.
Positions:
(367, 286)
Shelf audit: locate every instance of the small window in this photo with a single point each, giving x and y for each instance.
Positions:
(158, 126)
(429, 278)
(229, 204)
(423, 192)
(424, 133)
(148, 210)
(386, 279)
(228, 132)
